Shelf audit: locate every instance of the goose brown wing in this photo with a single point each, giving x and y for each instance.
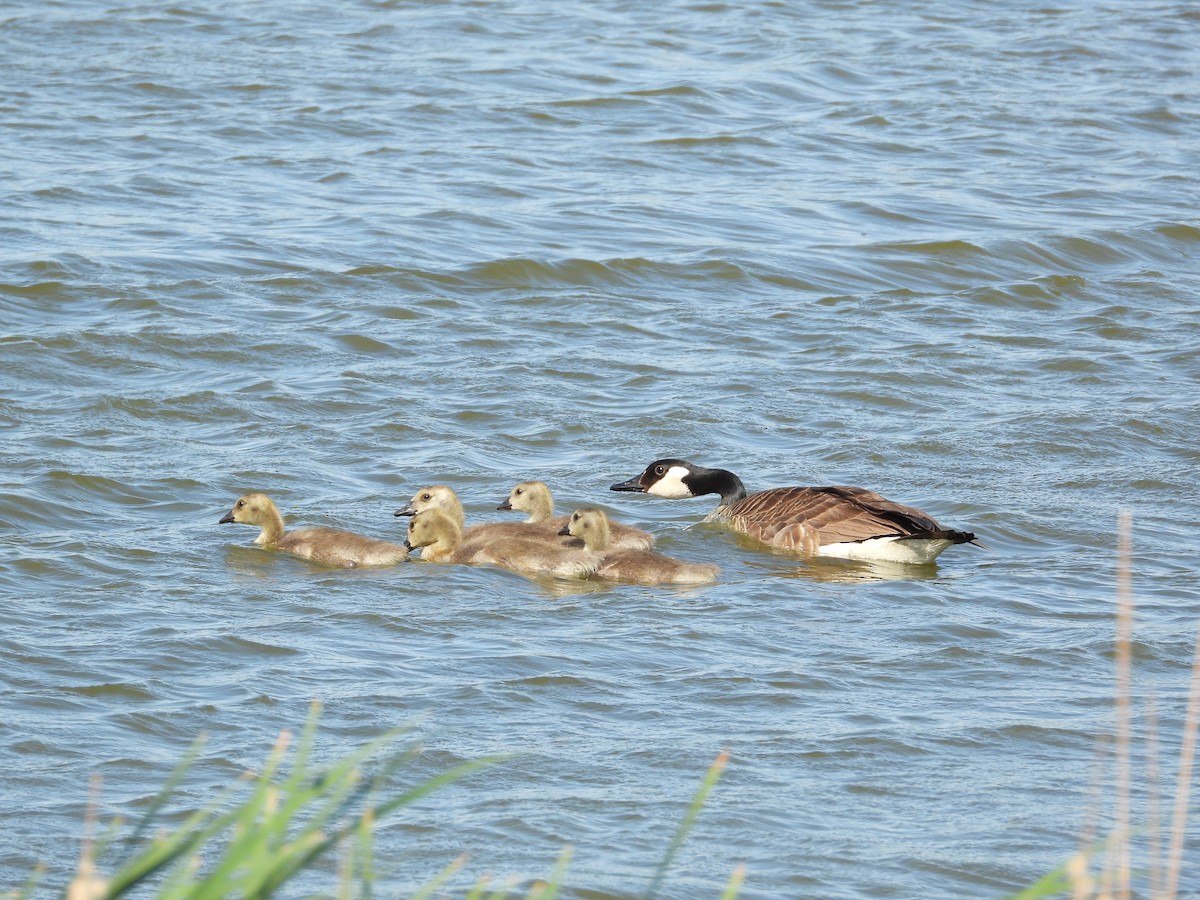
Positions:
(908, 519)
(830, 514)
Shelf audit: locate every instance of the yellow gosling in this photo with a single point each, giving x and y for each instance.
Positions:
(327, 546)
(535, 500)
(441, 540)
(633, 566)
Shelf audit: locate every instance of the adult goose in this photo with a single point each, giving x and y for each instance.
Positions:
(321, 545)
(845, 522)
(632, 566)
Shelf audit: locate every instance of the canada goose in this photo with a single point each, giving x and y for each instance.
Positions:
(846, 522)
(534, 498)
(437, 533)
(322, 545)
(636, 566)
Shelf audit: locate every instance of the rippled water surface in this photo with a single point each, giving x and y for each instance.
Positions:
(336, 252)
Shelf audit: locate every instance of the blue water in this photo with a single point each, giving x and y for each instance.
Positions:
(339, 253)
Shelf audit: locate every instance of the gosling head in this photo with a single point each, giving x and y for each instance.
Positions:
(532, 497)
(248, 510)
(256, 509)
(431, 527)
(436, 496)
(590, 525)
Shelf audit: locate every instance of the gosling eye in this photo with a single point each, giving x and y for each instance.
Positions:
(519, 492)
(427, 496)
(241, 503)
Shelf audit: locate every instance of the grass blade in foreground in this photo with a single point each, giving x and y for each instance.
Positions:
(268, 827)
(685, 827)
(255, 846)
(1116, 876)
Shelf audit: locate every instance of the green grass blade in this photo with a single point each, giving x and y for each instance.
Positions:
(735, 882)
(160, 799)
(287, 815)
(26, 890)
(430, 785)
(548, 890)
(689, 819)
(247, 823)
(440, 878)
(177, 882)
(1052, 884)
(284, 861)
(304, 780)
(265, 855)
(363, 853)
(288, 867)
(199, 827)
(500, 893)
(476, 892)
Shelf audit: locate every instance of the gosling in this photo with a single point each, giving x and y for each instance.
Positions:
(441, 540)
(534, 498)
(443, 497)
(633, 566)
(327, 546)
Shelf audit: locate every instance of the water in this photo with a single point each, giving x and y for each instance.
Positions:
(336, 253)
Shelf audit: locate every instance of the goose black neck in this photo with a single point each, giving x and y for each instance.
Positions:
(716, 481)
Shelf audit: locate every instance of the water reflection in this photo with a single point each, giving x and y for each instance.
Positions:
(782, 564)
(250, 562)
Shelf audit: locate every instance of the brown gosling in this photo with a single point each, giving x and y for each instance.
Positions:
(444, 497)
(535, 499)
(327, 546)
(435, 496)
(441, 540)
(437, 534)
(633, 566)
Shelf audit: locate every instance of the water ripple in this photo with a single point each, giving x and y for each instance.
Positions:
(338, 260)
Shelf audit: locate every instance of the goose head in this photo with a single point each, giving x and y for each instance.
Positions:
(678, 479)
(668, 478)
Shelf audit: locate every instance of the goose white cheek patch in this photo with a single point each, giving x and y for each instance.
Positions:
(671, 485)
